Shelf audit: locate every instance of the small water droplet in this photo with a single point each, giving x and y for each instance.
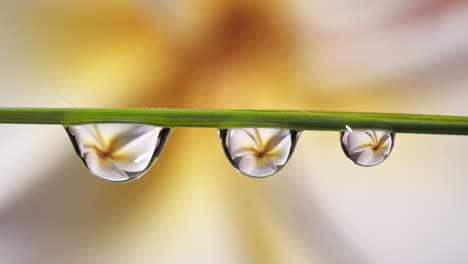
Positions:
(367, 147)
(118, 152)
(258, 152)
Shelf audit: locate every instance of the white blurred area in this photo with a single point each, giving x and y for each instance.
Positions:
(400, 39)
(384, 56)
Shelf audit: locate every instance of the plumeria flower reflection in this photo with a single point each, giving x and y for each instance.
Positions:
(367, 147)
(118, 152)
(258, 152)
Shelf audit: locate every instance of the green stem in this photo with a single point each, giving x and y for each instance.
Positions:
(305, 120)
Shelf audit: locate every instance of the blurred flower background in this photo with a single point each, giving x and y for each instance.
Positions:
(193, 207)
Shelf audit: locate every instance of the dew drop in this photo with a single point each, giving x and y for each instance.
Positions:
(367, 147)
(258, 152)
(118, 152)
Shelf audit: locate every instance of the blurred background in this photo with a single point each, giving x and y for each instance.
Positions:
(192, 206)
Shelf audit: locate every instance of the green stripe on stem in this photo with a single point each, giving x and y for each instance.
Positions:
(299, 120)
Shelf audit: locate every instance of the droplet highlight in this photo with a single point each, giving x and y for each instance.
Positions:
(118, 152)
(258, 152)
(367, 147)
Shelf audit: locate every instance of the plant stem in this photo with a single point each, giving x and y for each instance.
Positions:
(306, 120)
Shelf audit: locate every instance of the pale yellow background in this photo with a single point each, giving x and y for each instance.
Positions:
(193, 207)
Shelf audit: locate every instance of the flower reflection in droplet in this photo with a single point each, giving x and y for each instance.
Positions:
(118, 152)
(367, 147)
(258, 152)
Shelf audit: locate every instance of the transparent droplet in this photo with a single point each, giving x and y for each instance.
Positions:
(258, 152)
(367, 147)
(118, 152)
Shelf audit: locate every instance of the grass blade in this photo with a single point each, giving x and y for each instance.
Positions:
(300, 120)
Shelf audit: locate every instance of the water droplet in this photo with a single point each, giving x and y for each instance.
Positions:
(258, 152)
(118, 152)
(367, 147)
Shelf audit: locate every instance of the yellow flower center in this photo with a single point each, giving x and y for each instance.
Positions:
(108, 151)
(262, 149)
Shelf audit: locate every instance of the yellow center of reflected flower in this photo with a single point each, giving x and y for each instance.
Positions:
(377, 143)
(262, 149)
(109, 149)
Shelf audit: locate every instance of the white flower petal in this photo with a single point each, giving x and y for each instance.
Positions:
(270, 142)
(84, 135)
(381, 134)
(344, 138)
(104, 169)
(282, 151)
(370, 158)
(240, 141)
(386, 147)
(139, 151)
(359, 141)
(242, 152)
(119, 135)
(268, 133)
(253, 166)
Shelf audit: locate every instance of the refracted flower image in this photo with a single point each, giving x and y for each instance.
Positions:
(367, 147)
(258, 152)
(118, 152)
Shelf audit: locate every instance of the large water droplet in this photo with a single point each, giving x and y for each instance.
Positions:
(367, 147)
(118, 152)
(258, 152)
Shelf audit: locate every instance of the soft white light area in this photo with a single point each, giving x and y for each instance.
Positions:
(395, 49)
(409, 209)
